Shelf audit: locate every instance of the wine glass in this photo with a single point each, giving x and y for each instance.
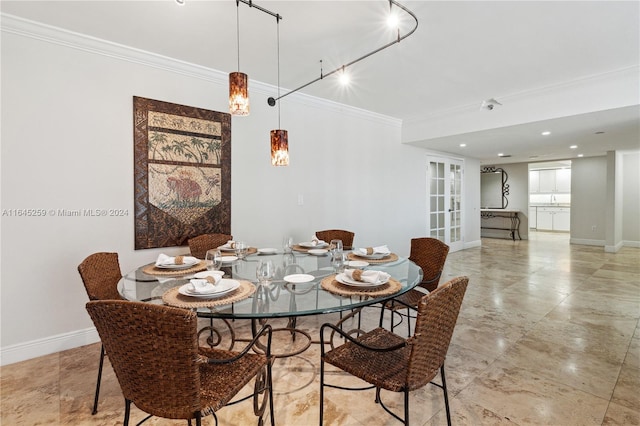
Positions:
(287, 244)
(336, 246)
(339, 262)
(265, 272)
(213, 259)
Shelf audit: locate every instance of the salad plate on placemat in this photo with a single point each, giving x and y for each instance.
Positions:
(223, 287)
(344, 279)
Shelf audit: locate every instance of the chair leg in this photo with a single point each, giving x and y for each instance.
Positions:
(408, 322)
(272, 414)
(446, 395)
(321, 388)
(406, 407)
(95, 399)
(127, 411)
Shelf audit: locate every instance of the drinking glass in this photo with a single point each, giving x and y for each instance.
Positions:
(287, 244)
(241, 249)
(213, 259)
(265, 272)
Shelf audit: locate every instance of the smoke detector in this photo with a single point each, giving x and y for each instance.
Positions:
(489, 104)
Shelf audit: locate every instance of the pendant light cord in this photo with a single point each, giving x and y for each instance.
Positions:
(278, 54)
(238, 31)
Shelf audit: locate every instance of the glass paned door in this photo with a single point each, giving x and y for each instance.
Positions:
(445, 201)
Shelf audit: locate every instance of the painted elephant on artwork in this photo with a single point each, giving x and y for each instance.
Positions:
(187, 191)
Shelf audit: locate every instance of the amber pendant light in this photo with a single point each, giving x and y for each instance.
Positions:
(279, 148)
(279, 137)
(238, 81)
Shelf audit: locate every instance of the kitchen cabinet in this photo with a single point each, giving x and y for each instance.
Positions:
(550, 181)
(553, 219)
(533, 217)
(534, 181)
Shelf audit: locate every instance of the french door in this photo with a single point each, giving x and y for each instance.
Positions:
(444, 219)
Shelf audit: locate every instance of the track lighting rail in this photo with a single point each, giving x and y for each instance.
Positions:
(272, 101)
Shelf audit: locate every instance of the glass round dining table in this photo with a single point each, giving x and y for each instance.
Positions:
(279, 299)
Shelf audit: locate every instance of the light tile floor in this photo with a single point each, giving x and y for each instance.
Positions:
(548, 334)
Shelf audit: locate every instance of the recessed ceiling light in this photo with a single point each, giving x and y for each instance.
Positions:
(580, 155)
(501, 155)
(546, 133)
(573, 146)
(462, 145)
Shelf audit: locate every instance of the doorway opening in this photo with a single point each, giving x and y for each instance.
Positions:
(550, 197)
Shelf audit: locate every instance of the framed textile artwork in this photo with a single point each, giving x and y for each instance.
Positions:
(182, 173)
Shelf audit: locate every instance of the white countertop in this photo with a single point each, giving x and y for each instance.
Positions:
(500, 210)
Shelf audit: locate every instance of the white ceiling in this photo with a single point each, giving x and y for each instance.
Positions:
(461, 54)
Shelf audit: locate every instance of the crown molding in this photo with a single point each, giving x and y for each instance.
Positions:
(11, 24)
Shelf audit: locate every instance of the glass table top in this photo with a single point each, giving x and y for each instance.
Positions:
(280, 298)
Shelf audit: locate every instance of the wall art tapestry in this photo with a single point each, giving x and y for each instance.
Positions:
(182, 173)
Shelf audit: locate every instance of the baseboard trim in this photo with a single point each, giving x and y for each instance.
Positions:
(586, 242)
(472, 244)
(35, 348)
(615, 248)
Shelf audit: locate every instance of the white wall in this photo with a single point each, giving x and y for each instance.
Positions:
(631, 199)
(67, 143)
(588, 200)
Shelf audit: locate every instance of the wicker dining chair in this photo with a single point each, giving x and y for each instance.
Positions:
(388, 361)
(337, 234)
(430, 254)
(200, 244)
(161, 369)
(100, 273)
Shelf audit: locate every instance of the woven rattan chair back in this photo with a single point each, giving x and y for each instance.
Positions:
(437, 317)
(100, 273)
(200, 244)
(154, 351)
(430, 254)
(337, 234)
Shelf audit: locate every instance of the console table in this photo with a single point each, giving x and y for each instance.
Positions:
(489, 216)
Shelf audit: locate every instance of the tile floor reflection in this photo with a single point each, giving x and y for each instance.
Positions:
(548, 334)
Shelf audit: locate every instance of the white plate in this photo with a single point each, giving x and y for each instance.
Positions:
(342, 278)
(183, 266)
(358, 263)
(267, 250)
(206, 274)
(374, 256)
(318, 252)
(226, 248)
(313, 246)
(223, 287)
(227, 259)
(299, 278)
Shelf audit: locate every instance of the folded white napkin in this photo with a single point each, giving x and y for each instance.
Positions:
(376, 250)
(202, 285)
(368, 276)
(315, 241)
(164, 260)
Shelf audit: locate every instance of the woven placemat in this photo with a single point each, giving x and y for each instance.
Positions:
(332, 286)
(152, 270)
(171, 297)
(391, 258)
